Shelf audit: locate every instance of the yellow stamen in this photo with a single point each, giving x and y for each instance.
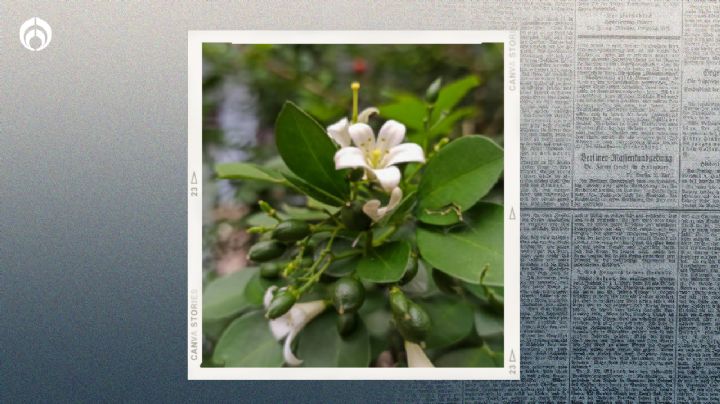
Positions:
(355, 86)
(375, 157)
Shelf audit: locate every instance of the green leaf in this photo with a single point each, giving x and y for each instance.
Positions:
(408, 110)
(225, 296)
(248, 342)
(471, 251)
(313, 191)
(452, 94)
(248, 171)
(320, 345)
(457, 177)
(451, 320)
(488, 323)
(308, 152)
(481, 357)
(446, 123)
(299, 213)
(386, 263)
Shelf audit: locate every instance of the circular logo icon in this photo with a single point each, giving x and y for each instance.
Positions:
(35, 34)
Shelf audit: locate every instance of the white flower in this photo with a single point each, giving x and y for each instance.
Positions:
(378, 157)
(416, 357)
(339, 130)
(373, 208)
(290, 324)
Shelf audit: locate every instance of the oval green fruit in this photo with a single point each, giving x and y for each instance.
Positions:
(270, 270)
(354, 218)
(266, 250)
(415, 324)
(291, 230)
(348, 294)
(398, 302)
(280, 304)
(346, 323)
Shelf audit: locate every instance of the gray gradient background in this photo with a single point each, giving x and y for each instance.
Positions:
(93, 208)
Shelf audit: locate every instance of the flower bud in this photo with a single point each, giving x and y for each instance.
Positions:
(431, 94)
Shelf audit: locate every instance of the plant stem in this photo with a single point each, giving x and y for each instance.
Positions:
(381, 239)
(368, 241)
(314, 271)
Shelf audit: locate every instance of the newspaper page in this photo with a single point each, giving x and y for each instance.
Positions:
(620, 195)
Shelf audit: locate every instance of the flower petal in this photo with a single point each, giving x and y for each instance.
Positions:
(391, 134)
(372, 209)
(349, 157)
(269, 293)
(388, 177)
(280, 327)
(416, 358)
(404, 153)
(288, 355)
(365, 114)
(395, 198)
(375, 212)
(363, 136)
(339, 132)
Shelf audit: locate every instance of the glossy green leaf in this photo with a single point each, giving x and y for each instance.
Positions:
(408, 110)
(457, 177)
(224, 296)
(451, 318)
(488, 323)
(471, 251)
(248, 342)
(308, 152)
(451, 94)
(320, 345)
(481, 357)
(386, 263)
(299, 213)
(447, 122)
(313, 191)
(248, 171)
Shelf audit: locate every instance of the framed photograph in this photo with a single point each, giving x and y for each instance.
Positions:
(353, 205)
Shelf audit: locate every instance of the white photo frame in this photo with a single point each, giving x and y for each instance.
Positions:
(510, 39)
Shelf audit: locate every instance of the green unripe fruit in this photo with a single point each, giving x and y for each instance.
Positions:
(414, 324)
(346, 323)
(411, 270)
(356, 174)
(280, 304)
(270, 270)
(291, 230)
(348, 294)
(431, 94)
(266, 251)
(398, 302)
(354, 218)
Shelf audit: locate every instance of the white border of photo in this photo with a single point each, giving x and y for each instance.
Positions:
(511, 368)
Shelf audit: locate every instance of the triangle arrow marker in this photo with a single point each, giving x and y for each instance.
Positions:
(512, 356)
(512, 214)
(194, 178)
